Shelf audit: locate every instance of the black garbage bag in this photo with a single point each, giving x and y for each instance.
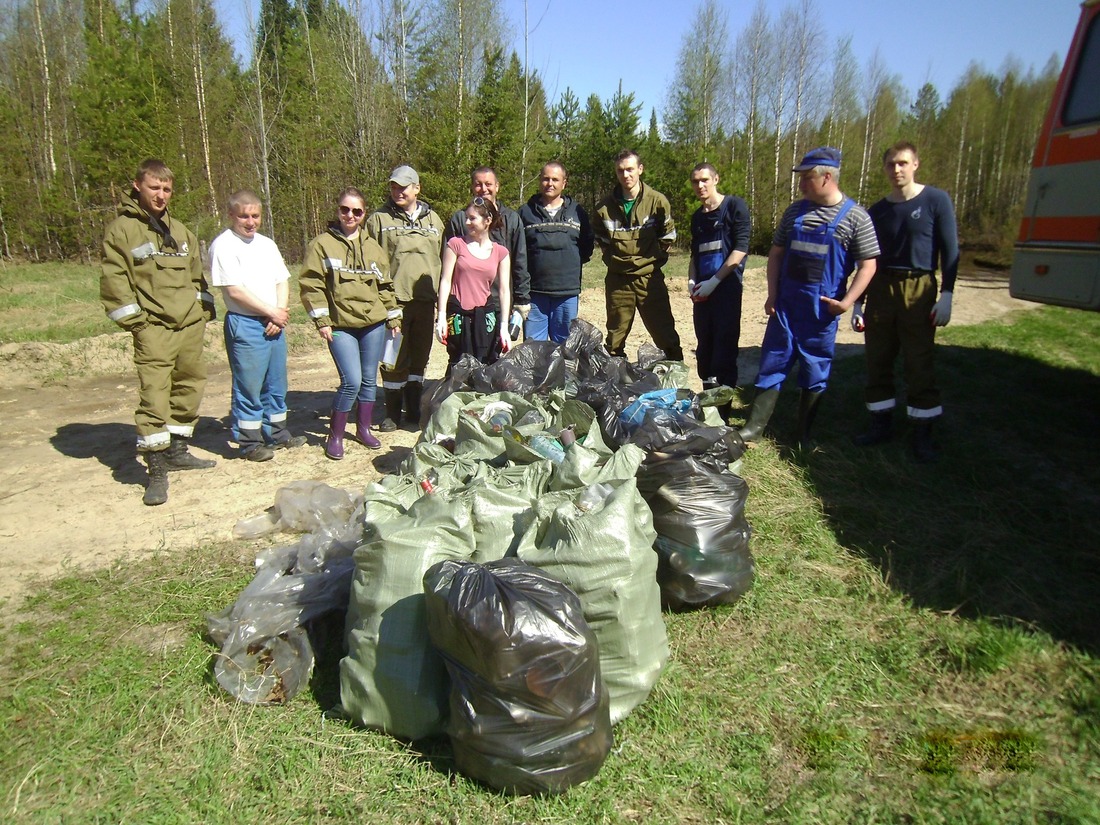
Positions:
(620, 385)
(668, 434)
(585, 342)
(703, 556)
(648, 355)
(533, 367)
(529, 711)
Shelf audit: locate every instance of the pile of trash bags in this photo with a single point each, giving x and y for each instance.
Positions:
(505, 586)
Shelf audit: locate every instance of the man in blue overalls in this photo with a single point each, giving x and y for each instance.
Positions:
(820, 240)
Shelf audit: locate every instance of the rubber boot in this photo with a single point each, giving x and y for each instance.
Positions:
(881, 430)
(807, 411)
(362, 425)
(413, 390)
(177, 457)
(924, 451)
(334, 445)
(156, 492)
(763, 405)
(393, 411)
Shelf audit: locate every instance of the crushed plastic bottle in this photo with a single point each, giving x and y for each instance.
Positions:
(256, 526)
(568, 436)
(531, 417)
(515, 326)
(593, 495)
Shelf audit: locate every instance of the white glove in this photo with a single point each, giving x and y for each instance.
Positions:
(524, 310)
(941, 312)
(703, 290)
(858, 322)
(441, 330)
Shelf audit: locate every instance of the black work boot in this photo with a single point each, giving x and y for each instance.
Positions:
(924, 451)
(179, 459)
(881, 430)
(808, 403)
(413, 391)
(393, 411)
(156, 492)
(763, 405)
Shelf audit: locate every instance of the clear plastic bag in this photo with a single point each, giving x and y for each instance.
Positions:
(265, 652)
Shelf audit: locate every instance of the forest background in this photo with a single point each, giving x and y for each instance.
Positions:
(338, 92)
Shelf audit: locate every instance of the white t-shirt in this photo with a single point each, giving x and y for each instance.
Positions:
(257, 265)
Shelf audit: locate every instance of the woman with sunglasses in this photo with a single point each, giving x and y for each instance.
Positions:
(475, 290)
(346, 288)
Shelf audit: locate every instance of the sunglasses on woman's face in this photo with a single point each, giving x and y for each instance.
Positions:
(348, 210)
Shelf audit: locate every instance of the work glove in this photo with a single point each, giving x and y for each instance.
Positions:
(858, 322)
(441, 330)
(523, 309)
(704, 289)
(941, 312)
(505, 341)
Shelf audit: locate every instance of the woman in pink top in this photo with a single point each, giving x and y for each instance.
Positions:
(475, 290)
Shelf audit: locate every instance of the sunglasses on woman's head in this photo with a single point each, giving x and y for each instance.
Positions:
(356, 211)
(479, 201)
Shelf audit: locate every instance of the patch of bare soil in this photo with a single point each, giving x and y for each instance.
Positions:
(71, 485)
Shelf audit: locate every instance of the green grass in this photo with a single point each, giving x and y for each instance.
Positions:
(920, 646)
(59, 303)
(50, 302)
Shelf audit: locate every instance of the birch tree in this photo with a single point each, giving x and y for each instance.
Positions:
(699, 101)
(753, 56)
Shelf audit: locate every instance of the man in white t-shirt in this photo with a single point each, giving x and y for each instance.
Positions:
(255, 285)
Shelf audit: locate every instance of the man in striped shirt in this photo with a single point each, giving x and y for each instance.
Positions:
(820, 240)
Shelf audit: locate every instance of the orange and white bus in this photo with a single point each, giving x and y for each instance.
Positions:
(1057, 253)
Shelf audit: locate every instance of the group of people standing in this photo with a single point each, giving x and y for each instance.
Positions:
(400, 276)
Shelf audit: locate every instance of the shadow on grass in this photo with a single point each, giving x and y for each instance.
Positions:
(1005, 524)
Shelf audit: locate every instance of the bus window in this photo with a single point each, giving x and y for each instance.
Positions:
(1083, 101)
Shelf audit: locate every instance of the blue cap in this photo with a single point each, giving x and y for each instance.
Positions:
(821, 156)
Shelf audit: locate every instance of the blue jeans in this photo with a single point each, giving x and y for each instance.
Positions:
(550, 317)
(356, 353)
(258, 362)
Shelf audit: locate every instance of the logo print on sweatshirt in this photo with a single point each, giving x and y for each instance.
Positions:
(915, 214)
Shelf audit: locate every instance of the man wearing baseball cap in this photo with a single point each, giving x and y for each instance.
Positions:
(820, 240)
(411, 234)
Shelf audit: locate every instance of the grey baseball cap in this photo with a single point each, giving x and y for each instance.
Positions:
(404, 175)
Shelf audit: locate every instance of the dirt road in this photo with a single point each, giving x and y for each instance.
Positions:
(71, 486)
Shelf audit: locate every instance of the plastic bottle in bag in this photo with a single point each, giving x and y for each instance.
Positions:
(428, 481)
(547, 447)
(499, 420)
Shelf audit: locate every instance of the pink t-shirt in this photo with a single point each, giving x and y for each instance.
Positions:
(473, 276)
